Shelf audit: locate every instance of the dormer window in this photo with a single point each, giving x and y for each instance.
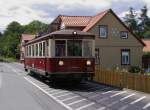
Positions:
(124, 34)
(62, 26)
(103, 31)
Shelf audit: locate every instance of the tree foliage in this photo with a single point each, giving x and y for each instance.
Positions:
(139, 23)
(10, 40)
(130, 19)
(35, 27)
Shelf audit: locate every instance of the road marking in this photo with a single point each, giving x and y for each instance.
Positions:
(80, 108)
(54, 98)
(53, 91)
(122, 92)
(146, 106)
(63, 95)
(102, 108)
(138, 100)
(46, 88)
(43, 86)
(127, 97)
(76, 102)
(107, 92)
(69, 98)
(59, 92)
(99, 90)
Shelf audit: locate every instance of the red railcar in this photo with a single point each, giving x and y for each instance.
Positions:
(62, 54)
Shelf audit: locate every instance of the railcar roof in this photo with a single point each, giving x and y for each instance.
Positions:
(64, 34)
(70, 32)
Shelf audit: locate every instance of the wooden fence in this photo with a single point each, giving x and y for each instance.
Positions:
(133, 81)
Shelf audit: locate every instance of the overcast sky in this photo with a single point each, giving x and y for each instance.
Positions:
(24, 11)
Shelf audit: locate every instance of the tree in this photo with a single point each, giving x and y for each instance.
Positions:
(130, 20)
(144, 23)
(1, 34)
(144, 20)
(11, 39)
(146, 34)
(35, 27)
(13, 27)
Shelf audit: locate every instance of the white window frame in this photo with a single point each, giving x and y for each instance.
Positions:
(125, 54)
(102, 28)
(124, 32)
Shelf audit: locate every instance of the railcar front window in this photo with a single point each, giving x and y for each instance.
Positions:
(60, 48)
(87, 47)
(74, 47)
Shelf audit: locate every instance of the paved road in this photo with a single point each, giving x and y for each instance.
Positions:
(19, 91)
(18, 94)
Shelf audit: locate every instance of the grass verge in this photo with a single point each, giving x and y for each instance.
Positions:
(7, 59)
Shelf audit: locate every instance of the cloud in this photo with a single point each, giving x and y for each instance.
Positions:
(24, 11)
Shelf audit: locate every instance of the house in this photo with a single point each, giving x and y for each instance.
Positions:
(116, 45)
(24, 39)
(146, 58)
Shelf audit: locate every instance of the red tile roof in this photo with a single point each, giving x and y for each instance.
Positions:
(94, 20)
(85, 21)
(147, 43)
(27, 37)
(75, 20)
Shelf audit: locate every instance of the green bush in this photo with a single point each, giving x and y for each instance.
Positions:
(135, 69)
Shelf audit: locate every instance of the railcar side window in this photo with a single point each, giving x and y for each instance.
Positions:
(87, 47)
(40, 49)
(60, 48)
(44, 48)
(36, 46)
(74, 47)
(29, 50)
(26, 51)
(47, 49)
(32, 50)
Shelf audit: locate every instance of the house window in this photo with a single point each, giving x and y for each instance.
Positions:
(125, 57)
(124, 34)
(60, 48)
(97, 56)
(103, 31)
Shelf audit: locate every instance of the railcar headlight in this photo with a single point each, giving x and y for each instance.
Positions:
(61, 63)
(88, 62)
